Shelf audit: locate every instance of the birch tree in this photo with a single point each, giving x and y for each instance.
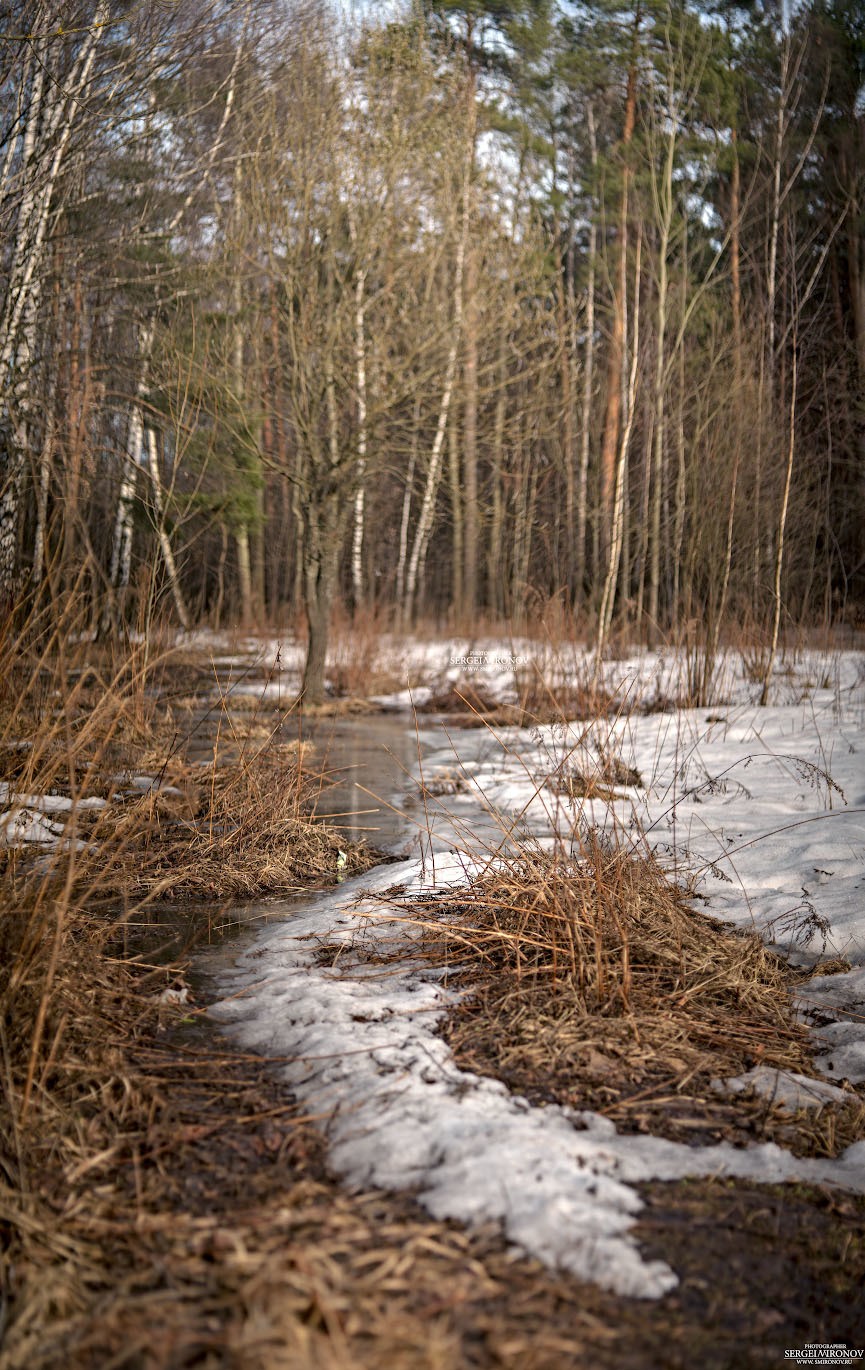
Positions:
(51, 103)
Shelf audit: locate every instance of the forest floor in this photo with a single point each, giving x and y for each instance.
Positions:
(171, 1198)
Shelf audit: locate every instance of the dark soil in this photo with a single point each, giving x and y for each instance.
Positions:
(762, 1270)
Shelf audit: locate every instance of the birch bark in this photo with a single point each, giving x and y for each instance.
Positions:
(605, 614)
(424, 526)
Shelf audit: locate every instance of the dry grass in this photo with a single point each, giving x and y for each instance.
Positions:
(231, 828)
(592, 981)
(85, 725)
(362, 659)
(552, 692)
(170, 1208)
(599, 782)
(86, 1117)
(576, 694)
(468, 705)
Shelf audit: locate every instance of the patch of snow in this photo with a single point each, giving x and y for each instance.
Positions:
(48, 803)
(147, 784)
(174, 996)
(21, 825)
(403, 1115)
(845, 1057)
(787, 1088)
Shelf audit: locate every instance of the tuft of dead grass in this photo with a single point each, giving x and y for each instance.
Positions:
(609, 771)
(235, 827)
(362, 659)
(590, 980)
(577, 694)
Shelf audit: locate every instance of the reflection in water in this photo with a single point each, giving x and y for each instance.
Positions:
(377, 761)
(372, 760)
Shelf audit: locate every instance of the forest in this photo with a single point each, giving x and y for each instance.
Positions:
(432, 698)
(448, 311)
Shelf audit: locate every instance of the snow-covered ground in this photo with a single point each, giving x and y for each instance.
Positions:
(765, 807)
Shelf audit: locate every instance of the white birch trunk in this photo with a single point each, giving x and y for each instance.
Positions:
(605, 614)
(53, 128)
(425, 519)
(162, 532)
(121, 544)
(424, 526)
(360, 494)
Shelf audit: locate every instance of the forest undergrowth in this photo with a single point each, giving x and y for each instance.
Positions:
(163, 1200)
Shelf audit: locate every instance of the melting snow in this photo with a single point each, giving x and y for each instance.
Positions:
(765, 807)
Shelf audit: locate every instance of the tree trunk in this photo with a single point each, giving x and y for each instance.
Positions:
(856, 276)
(782, 530)
(405, 516)
(470, 351)
(495, 575)
(605, 613)
(43, 475)
(470, 438)
(588, 372)
(321, 548)
(244, 574)
(777, 154)
(162, 532)
(424, 526)
(565, 309)
(121, 546)
(360, 493)
(714, 629)
(736, 252)
(457, 524)
(9, 519)
(78, 416)
(613, 416)
(248, 605)
(680, 496)
(664, 212)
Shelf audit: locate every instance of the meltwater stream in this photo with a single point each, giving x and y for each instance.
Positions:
(375, 766)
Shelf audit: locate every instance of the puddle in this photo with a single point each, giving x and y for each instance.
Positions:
(374, 761)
